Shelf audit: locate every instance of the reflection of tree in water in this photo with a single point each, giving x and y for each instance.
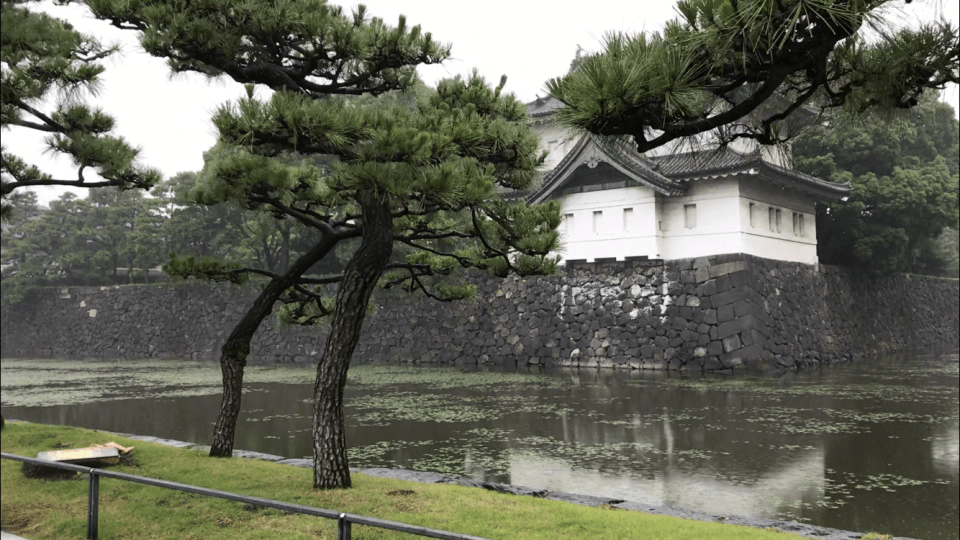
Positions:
(946, 449)
(793, 447)
(607, 422)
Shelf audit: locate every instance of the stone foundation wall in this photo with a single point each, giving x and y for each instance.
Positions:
(712, 313)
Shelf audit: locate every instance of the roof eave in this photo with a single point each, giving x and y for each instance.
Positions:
(818, 187)
(780, 175)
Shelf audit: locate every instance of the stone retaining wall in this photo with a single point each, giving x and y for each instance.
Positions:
(711, 313)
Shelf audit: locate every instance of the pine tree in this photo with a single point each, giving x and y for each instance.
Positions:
(718, 66)
(416, 173)
(44, 59)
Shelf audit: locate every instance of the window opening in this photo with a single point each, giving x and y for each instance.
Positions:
(690, 215)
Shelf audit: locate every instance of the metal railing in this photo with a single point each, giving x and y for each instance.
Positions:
(344, 520)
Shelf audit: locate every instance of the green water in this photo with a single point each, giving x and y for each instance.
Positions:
(867, 446)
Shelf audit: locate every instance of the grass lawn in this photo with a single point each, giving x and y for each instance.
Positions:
(57, 508)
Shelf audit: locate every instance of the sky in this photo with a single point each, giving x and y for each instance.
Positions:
(528, 41)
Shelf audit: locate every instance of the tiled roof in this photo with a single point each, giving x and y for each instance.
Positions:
(712, 163)
(700, 163)
(623, 152)
(543, 106)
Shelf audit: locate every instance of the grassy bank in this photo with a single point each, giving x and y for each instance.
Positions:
(38, 509)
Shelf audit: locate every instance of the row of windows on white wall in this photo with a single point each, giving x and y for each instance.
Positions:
(597, 224)
(775, 220)
(774, 216)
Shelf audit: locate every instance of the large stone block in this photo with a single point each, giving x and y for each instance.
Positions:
(701, 262)
(725, 313)
(709, 288)
(723, 269)
(731, 296)
(753, 356)
(743, 279)
(751, 336)
(743, 307)
(727, 257)
(712, 363)
(731, 343)
(723, 284)
(740, 324)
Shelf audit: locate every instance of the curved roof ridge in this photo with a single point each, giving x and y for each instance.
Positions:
(627, 161)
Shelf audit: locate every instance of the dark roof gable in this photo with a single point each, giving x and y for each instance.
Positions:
(591, 149)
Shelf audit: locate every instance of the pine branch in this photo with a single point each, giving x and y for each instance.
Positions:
(463, 261)
(51, 126)
(300, 216)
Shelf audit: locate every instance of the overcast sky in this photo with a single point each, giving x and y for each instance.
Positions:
(529, 41)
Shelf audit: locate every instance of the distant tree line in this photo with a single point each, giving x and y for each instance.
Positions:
(117, 237)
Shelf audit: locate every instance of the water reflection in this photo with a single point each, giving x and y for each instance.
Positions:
(798, 481)
(945, 450)
(865, 446)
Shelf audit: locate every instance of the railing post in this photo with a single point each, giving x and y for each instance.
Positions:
(93, 502)
(343, 527)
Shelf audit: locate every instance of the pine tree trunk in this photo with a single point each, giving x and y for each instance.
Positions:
(233, 354)
(233, 358)
(330, 467)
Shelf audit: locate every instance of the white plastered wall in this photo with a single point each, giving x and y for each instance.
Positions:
(724, 225)
(792, 242)
(557, 141)
(612, 223)
(717, 229)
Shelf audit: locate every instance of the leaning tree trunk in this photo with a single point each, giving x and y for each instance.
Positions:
(233, 354)
(330, 467)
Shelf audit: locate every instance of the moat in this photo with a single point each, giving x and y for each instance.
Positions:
(872, 445)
